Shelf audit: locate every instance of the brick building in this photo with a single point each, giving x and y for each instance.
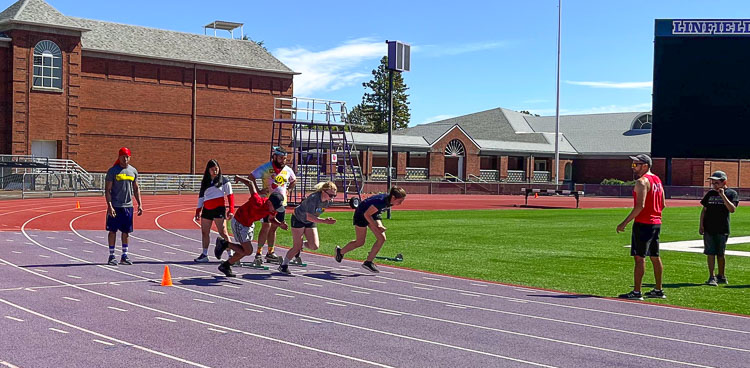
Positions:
(79, 89)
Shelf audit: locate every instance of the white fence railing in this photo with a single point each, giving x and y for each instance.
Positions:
(516, 176)
(541, 176)
(417, 173)
(489, 175)
(381, 173)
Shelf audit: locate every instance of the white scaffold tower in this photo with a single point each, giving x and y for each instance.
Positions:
(316, 134)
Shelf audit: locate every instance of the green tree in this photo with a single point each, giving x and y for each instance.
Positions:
(528, 113)
(259, 43)
(374, 105)
(357, 120)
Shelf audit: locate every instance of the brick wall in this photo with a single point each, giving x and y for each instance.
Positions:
(471, 152)
(5, 100)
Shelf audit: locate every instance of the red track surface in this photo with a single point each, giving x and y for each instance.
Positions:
(176, 211)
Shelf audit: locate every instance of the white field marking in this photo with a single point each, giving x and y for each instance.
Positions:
(149, 272)
(336, 304)
(310, 320)
(391, 313)
(359, 292)
(311, 284)
(70, 240)
(60, 331)
(454, 322)
(9, 240)
(377, 282)
(43, 271)
(28, 243)
(430, 278)
(407, 299)
(455, 306)
(63, 248)
(87, 251)
(285, 296)
(517, 300)
(204, 301)
(156, 292)
(146, 250)
(30, 289)
(16, 252)
(44, 256)
(75, 277)
(2, 362)
(167, 252)
(422, 288)
(253, 310)
(165, 319)
(71, 299)
(103, 342)
(469, 294)
(480, 285)
(216, 330)
(231, 286)
(14, 318)
(50, 237)
(118, 309)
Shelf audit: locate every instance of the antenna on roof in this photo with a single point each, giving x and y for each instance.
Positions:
(225, 26)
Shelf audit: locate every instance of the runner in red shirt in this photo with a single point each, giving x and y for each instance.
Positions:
(648, 196)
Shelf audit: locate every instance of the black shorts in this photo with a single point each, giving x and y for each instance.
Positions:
(715, 244)
(279, 217)
(362, 222)
(645, 240)
(218, 212)
(299, 224)
(123, 220)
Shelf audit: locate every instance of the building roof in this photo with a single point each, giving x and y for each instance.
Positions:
(137, 41)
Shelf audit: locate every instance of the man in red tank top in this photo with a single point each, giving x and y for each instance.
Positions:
(648, 197)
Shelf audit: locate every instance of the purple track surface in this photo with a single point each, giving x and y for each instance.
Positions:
(61, 307)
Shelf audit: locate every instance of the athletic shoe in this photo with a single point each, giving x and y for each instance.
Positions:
(284, 269)
(659, 294)
(258, 260)
(201, 258)
(370, 267)
(226, 269)
(112, 260)
(230, 253)
(339, 256)
(712, 281)
(125, 260)
(722, 280)
(633, 295)
(272, 257)
(221, 246)
(297, 260)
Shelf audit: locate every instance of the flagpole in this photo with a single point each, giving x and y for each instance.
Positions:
(557, 108)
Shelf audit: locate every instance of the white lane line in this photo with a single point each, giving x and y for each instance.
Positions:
(70, 240)
(43, 271)
(455, 306)
(359, 292)
(60, 331)
(165, 319)
(118, 309)
(145, 250)
(30, 289)
(204, 301)
(285, 296)
(87, 251)
(421, 288)
(63, 248)
(378, 282)
(14, 318)
(166, 252)
(149, 272)
(103, 342)
(407, 299)
(253, 310)
(517, 301)
(231, 286)
(156, 292)
(310, 320)
(50, 237)
(44, 256)
(16, 252)
(480, 285)
(390, 313)
(430, 278)
(336, 304)
(474, 295)
(71, 299)
(74, 277)
(311, 284)
(216, 330)
(2, 362)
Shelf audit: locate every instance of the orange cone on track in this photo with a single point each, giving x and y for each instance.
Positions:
(78, 204)
(536, 195)
(166, 280)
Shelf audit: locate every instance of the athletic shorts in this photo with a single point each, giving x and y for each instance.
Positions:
(218, 212)
(645, 240)
(279, 217)
(123, 220)
(299, 224)
(242, 233)
(362, 222)
(715, 244)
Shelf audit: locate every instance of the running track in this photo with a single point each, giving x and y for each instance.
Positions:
(59, 306)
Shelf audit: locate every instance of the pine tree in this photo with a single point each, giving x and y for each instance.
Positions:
(374, 105)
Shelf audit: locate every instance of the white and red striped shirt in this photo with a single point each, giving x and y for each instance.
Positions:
(213, 196)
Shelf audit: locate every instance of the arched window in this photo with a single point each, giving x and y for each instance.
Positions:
(47, 65)
(454, 148)
(642, 122)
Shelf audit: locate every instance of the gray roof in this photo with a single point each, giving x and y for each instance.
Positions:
(37, 12)
(548, 147)
(598, 134)
(363, 140)
(490, 125)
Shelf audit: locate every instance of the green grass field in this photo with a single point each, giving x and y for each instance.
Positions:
(563, 249)
(745, 247)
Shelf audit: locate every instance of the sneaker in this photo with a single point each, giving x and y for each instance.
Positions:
(226, 269)
(284, 269)
(272, 257)
(370, 267)
(339, 256)
(201, 258)
(633, 295)
(297, 260)
(258, 260)
(112, 260)
(125, 260)
(658, 294)
(712, 281)
(722, 280)
(221, 246)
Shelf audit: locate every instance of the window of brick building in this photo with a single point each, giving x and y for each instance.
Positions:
(642, 122)
(47, 65)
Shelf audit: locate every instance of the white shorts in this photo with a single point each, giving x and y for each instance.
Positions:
(242, 233)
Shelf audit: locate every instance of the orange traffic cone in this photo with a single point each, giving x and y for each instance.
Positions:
(536, 195)
(78, 204)
(166, 280)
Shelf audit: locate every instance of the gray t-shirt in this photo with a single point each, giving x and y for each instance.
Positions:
(122, 185)
(312, 205)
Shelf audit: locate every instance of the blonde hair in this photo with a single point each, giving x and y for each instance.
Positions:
(397, 192)
(326, 185)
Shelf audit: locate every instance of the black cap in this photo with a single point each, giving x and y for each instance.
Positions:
(277, 200)
(642, 158)
(278, 150)
(718, 175)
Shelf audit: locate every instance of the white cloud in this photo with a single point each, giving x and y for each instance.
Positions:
(452, 50)
(435, 118)
(595, 110)
(618, 85)
(332, 69)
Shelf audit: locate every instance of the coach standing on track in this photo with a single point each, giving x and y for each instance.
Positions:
(120, 185)
(648, 195)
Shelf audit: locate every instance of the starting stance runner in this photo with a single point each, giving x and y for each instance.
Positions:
(211, 209)
(367, 215)
(243, 224)
(305, 219)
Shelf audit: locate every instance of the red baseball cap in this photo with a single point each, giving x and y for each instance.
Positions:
(124, 151)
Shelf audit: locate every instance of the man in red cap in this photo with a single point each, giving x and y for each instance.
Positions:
(120, 186)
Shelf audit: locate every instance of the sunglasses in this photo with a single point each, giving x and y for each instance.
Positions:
(634, 165)
(332, 195)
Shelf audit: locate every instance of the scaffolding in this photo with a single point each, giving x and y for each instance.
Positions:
(321, 146)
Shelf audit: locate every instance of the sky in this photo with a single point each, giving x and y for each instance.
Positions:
(467, 56)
